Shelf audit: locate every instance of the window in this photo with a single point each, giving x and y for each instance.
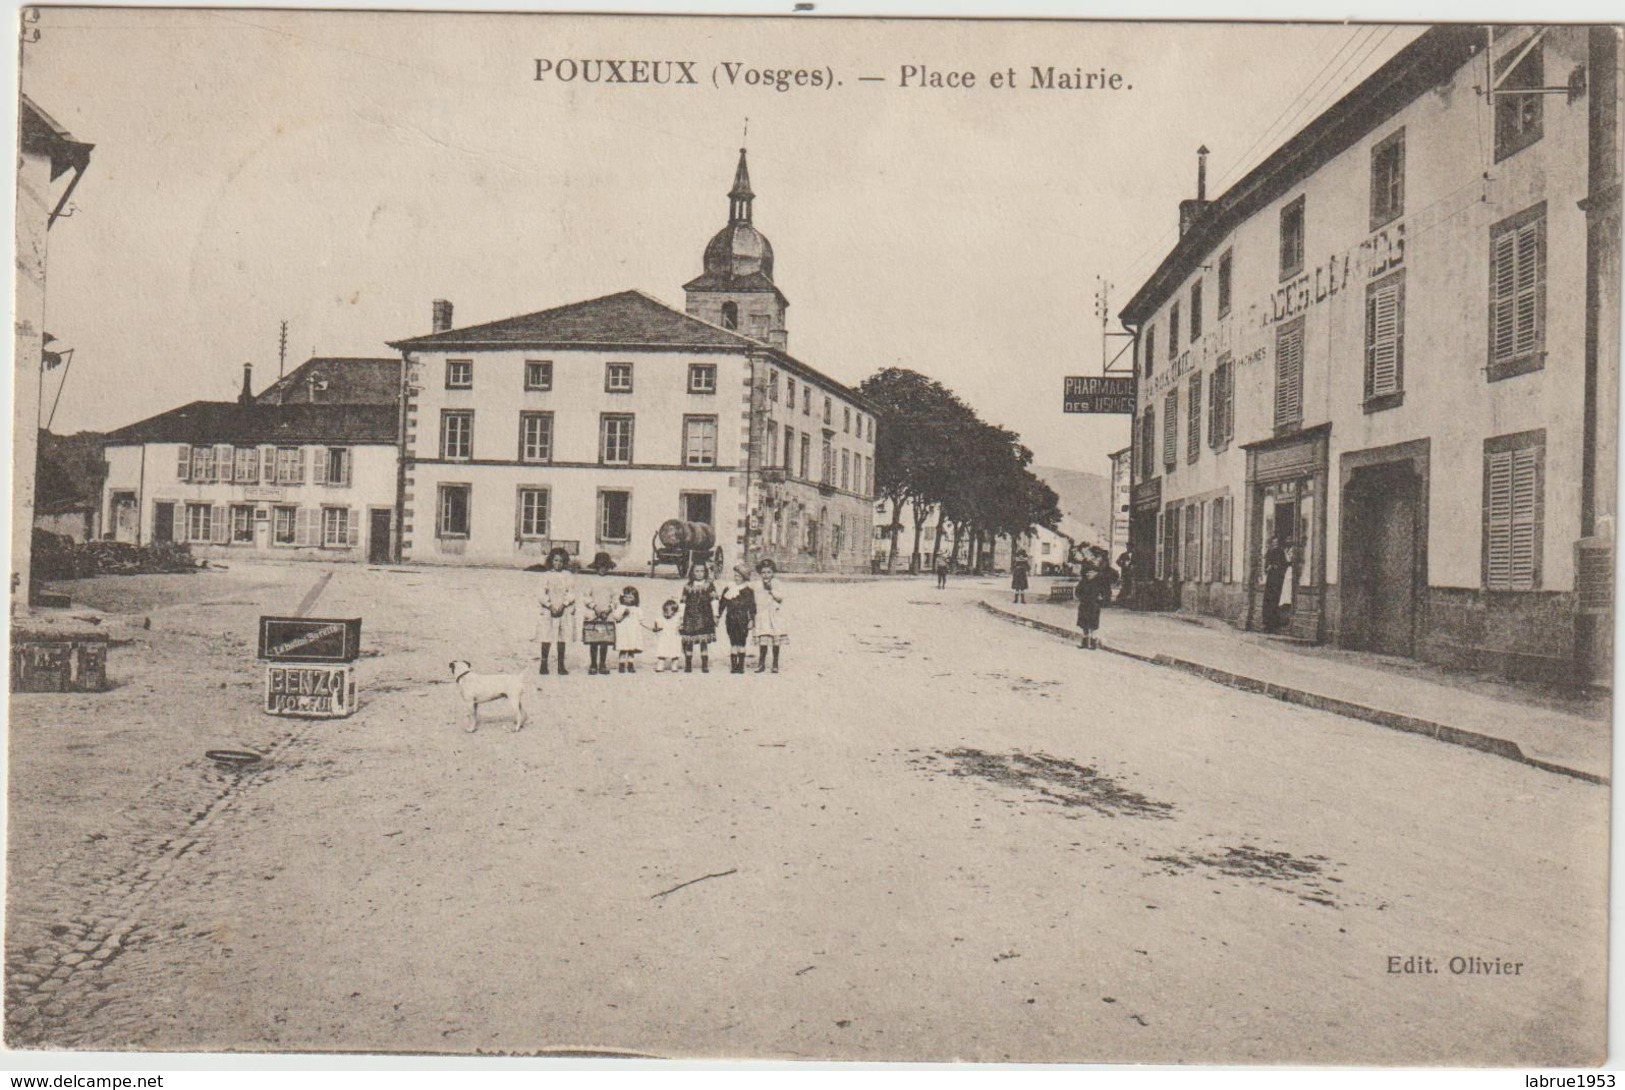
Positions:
(538, 374)
(730, 315)
(282, 525)
(335, 528)
(846, 470)
(242, 524)
(702, 378)
(614, 510)
(790, 393)
(826, 473)
(1226, 274)
(535, 437)
(1221, 404)
(615, 439)
(789, 446)
(203, 464)
(200, 521)
(1173, 332)
(618, 378)
(806, 457)
(699, 440)
(1149, 344)
(846, 420)
(1518, 117)
(456, 433)
(1170, 429)
(183, 469)
(533, 511)
(1388, 179)
(1514, 472)
(248, 465)
(290, 465)
(1289, 375)
(827, 411)
(1217, 551)
(459, 374)
(1193, 421)
(1517, 337)
(772, 385)
(1191, 558)
(1148, 443)
(1385, 341)
(1196, 311)
(806, 400)
(772, 446)
(336, 466)
(452, 520)
(1292, 239)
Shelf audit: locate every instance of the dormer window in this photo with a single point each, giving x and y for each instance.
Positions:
(730, 315)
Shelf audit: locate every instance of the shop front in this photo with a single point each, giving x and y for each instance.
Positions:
(1286, 534)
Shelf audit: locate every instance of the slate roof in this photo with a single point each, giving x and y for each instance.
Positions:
(626, 320)
(350, 380)
(205, 422)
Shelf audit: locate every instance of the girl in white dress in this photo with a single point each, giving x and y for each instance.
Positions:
(770, 630)
(557, 599)
(628, 618)
(668, 638)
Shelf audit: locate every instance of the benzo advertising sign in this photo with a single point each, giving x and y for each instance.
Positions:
(326, 692)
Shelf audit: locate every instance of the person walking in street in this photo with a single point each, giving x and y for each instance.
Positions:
(769, 617)
(942, 573)
(1092, 583)
(1125, 572)
(1108, 575)
(629, 625)
(558, 602)
(699, 625)
(598, 626)
(668, 641)
(736, 608)
(1018, 577)
(1276, 562)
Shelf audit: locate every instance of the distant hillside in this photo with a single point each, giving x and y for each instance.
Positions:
(1086, 501)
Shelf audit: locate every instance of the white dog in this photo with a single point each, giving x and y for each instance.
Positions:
(478, 689)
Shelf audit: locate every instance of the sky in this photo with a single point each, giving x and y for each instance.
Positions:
(341, 170)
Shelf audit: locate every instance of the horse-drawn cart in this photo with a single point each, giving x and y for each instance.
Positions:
(684, 544)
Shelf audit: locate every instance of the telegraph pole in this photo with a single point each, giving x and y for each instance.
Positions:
(282, 349)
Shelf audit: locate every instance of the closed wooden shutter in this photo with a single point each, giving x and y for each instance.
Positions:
(1193, 440)
(220, 524)
(352, 524)
(1518, 291)
(299, 465)
(1384, 337)
(1170, 429)
(349, 457)
(183, 468)
(1289, 375)
(1512, 488)
(177, 522)
(306, 526)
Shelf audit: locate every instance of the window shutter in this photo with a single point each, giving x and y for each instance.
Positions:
(304, 532)
(177, 522)
(1503, 294)
(1531, 287)
(299, 466)
(1193, 441)
(1525, 484)
(224, 456)
(268, 465)
(349, 456)
(1289, 377)
(1384, 339)
(352, 536)
(220, 525)
(1170, 429)
(1498, 519)
(183, 469)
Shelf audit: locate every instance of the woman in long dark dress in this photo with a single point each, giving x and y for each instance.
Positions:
(1091, 584)
(699, 626)
(1018, 577)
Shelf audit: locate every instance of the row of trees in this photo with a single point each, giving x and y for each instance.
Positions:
(934, 455)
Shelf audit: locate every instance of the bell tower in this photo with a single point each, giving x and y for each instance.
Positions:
(736, 290)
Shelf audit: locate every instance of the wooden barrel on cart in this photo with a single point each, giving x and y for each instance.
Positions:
(691, 536)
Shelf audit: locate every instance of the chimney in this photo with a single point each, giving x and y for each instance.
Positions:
(442, 315)
(1191, 211)
(247, 396)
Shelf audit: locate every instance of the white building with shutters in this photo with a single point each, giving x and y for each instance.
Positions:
(1392, 348)
(305, 470)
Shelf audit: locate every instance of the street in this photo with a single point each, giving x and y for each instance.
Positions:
(934, 836)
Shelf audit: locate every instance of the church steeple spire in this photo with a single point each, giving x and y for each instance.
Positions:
(740, 196)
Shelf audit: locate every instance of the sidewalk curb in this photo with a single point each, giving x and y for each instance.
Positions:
(1443, 732)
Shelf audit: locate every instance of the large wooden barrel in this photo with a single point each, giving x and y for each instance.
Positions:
(677, 534)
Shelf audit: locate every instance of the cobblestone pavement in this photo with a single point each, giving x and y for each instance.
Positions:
(933, 836)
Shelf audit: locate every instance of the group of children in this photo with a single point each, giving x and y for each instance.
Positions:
(745, 607)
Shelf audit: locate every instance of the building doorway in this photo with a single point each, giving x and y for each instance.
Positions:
(163, 523)
(1382, 555)
(378, 535)
(126, 518)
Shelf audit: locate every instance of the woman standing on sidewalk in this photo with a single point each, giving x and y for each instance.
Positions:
(1092, 583)
(558, 602)
(1018, 577)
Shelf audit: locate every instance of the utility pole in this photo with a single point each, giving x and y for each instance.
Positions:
(282, 349)
(1103, 310)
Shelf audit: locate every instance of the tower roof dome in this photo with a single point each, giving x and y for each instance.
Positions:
(739, 249)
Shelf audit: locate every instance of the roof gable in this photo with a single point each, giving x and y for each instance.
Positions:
(625, 319)
(337, 380)
(207, 422)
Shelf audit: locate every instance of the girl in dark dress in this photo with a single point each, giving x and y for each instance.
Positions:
(1091, 584)
(737, 610)
(1018, 577)
(699, 625)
